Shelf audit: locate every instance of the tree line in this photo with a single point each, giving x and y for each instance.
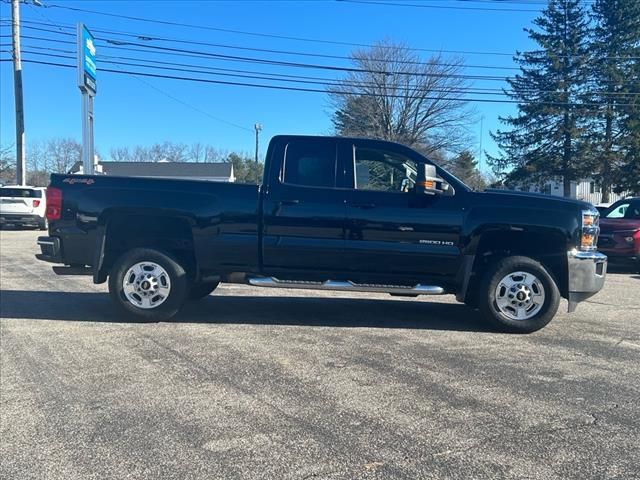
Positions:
(59, 155)
(578, 97)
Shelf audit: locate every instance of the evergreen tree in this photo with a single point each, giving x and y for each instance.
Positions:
(245, 169)
(628, 178)
(465, 167)
(615, 47)
(544, 137)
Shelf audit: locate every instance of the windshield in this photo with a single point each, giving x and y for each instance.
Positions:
(20, 192)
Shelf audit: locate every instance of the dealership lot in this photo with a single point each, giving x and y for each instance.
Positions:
(278, 384)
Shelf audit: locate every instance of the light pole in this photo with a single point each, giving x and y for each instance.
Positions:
(17, 86)
(258, 128)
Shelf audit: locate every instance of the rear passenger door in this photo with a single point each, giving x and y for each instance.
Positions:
(303, 210)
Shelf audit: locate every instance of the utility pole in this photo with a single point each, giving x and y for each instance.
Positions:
(480, 148)
(17, 87)
(258, 128)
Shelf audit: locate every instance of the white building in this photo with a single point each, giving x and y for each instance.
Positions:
(587, 190)
(217, 172)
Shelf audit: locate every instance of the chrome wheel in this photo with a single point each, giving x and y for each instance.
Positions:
(146, 285)
(519, 295)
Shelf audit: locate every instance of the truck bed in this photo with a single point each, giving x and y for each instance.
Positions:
(220, 217)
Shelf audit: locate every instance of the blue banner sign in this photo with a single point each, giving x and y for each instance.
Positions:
(86, 60)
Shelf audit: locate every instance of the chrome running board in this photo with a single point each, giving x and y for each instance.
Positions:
(346, 286)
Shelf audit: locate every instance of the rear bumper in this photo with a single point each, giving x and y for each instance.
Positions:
(587, 272)
(50, 248)
(20, 219)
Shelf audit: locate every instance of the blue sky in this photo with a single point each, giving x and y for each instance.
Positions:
(131, 111)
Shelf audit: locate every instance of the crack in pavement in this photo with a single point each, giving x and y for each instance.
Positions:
(533, 432)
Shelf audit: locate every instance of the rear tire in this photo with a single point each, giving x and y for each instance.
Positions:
(202, 289)
(148, 285)
(44, 224)
(518, 295)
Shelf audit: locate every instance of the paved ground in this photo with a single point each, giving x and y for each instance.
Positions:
(261, 384)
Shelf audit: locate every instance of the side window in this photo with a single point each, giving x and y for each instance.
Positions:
(633, 212)
(310, 163)
(619, 211)
(383, 171)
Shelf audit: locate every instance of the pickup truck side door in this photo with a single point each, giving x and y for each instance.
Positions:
(392, 230)
(303, 211)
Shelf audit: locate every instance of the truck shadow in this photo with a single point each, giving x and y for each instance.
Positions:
(252, 310)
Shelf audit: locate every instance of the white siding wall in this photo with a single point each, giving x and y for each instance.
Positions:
(593, 193)
(579, 190)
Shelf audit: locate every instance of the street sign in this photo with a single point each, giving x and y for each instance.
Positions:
(86, 61)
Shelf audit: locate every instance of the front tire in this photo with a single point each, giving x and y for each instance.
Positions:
(518, 295)
(148, 285)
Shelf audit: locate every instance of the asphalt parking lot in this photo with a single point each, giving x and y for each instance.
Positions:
(274, 384)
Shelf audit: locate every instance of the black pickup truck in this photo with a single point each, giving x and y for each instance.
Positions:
(332, 213)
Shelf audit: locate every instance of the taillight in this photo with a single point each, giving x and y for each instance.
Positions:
(54, 203)
(36, 203)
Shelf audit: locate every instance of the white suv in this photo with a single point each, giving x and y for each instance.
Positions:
(23, 206)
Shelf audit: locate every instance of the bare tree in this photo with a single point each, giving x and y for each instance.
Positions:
(36, 156)
(120, 154)
(393, 95)
(196, 152)
(212, 155)
(168, 151)
(7, 164)
(62, 154)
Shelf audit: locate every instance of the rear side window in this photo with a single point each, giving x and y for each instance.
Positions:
(20, 192)
(310, 163)
(619, 211)
(633, 212)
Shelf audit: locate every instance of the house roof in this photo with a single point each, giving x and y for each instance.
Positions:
(166, 169)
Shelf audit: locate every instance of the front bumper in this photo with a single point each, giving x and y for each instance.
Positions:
(587, 272)
(20, 219)
(50, 248)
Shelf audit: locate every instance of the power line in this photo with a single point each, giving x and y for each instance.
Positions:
(314, 90)
(443, 7)
(149, 37)
(152, 37)
(167, 94)
(143, 48)
(203, 69)
(300, 80)
(242, 59)
(235, 58)
(262, 35)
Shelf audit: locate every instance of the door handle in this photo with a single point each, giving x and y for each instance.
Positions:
(289, 202)
(364, 206)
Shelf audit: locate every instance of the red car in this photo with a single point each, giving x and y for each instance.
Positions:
(620, 233)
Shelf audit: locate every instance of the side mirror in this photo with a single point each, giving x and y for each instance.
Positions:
(427, 180)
